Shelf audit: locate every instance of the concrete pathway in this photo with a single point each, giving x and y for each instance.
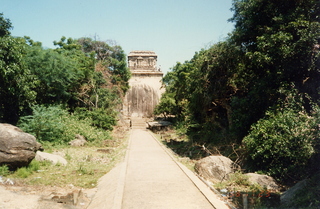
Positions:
(150, 178)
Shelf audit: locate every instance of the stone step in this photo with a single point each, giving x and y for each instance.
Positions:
(138, 123)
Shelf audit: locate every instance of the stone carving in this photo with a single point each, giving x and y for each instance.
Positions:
(142, 60)
(142, 100)
(145, 84)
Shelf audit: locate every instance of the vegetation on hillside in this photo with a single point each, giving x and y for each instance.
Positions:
(46, 91)
(55, 94)
(258, 91)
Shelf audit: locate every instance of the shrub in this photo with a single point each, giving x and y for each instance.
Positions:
(34, 166)
(55, 125)
(282, 143)
(23, 172)
(4, 170)
(100, 118)
(46, 123)
(84, 127)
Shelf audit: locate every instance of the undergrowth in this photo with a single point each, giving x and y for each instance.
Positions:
(85, 166)
(54, 125)
(188, 152)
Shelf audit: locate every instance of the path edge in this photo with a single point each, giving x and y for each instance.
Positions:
(109, 193)
(213, 199)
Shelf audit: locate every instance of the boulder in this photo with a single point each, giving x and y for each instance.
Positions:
(264, 181)
(215, 168)
(158, 125)
(54, 159)
(290, 195)
(17, 148)
(79, 141)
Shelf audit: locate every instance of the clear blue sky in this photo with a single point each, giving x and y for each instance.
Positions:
(174, 29)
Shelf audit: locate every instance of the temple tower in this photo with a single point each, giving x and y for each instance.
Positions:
(145, 84)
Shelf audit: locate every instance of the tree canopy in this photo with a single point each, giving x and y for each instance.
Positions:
(79, 74)
(265, 71)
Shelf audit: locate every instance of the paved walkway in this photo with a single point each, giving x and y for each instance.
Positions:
(151, 179)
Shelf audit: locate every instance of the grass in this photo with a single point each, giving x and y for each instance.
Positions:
(85, 166)
(4, 170)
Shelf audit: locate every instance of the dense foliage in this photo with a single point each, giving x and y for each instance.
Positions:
(56, 125)
(240, 88)
(284, 140)
(41, 87)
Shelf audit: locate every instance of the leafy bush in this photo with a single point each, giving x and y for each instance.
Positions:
(101, 118)
(76, 125)
(282, 143)
(46, 123)
(55, 125)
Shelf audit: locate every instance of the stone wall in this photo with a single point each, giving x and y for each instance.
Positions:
(145, 84)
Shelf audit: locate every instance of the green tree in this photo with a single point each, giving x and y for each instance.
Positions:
(282, 143)
(103, 87)
(5, 26)
(112, 58)
(16, 81)
(58, 75)
(277, 40)
(166, 106)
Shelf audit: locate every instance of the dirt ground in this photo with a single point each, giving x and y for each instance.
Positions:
(36, 197)
(15, 195)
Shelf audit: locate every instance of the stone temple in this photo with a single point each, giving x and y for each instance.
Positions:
(145, 84)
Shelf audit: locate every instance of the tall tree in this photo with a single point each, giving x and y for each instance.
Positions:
(5, 26)
(277, 39)
(16, 81)
(112, 57)
(57, 75)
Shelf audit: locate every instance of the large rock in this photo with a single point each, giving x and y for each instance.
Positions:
(17, 148)
(264, 181)
(215, 168)
(54, 159)
(290, 195)
(78, 141)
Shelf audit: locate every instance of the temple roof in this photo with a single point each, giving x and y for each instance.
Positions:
(142, 53)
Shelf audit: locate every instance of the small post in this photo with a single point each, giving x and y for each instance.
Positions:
(245, 201)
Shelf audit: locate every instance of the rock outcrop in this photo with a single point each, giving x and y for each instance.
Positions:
(142, 100)
(54, 159)
(145, 84)
(215, 168)
(263, 180)
(78, 141)
(17, 148)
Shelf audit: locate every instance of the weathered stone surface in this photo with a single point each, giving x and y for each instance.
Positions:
(142, 100)
(142, 60)
(158, 125)
(215, 168)
(289, 195)
(145, 84)
(263, 180)
(78, 141)
(54, 159)
(17, 148)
